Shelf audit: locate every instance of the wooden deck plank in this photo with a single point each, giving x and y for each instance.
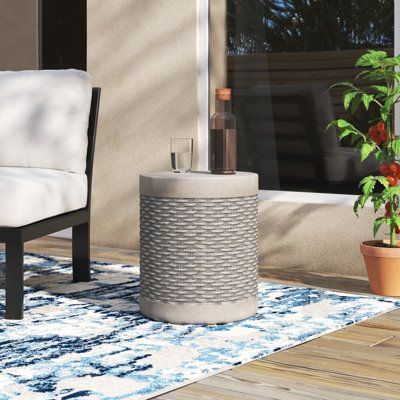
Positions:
(353, 360)
(280, 381)
(361, 362)
(363, 335)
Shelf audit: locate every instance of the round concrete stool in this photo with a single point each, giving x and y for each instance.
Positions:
(198, 246)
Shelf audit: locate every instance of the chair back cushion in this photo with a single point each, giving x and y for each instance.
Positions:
(44, 119)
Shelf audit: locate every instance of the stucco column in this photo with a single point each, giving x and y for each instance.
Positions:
(143, 56)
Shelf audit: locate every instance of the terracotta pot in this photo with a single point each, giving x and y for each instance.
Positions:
(383, 267)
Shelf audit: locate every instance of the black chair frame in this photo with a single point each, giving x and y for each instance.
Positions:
(15, 237)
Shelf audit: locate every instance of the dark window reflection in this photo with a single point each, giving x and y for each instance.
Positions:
(282, 57)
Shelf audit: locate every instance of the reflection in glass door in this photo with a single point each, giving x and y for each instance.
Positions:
(282, 56)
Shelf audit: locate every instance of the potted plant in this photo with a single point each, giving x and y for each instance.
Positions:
(382, 257)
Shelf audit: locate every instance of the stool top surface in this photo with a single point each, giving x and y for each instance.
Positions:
(198, 184)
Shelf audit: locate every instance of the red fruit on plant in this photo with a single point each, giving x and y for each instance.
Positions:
(397, 173)
(393, 168)
(376, 139)
(383, 136)
(380, 126)
(393, 180)
(378, 133)
(384, 170)
(374, 134)
(387, 213)
(397, 230)
(373, 130)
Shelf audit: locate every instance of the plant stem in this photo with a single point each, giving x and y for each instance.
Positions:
(392, 226)
(392, 236)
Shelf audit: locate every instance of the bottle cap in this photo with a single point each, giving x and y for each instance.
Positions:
(223, 93)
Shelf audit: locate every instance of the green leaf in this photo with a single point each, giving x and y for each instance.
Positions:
(377, 224)
(392, 61)
(331, 124)
(380, 89)
(389, 192)
(362, 75)
(341, 123)
(345, 133)
(378, 201)
(372, 59)
(379, 154)
(386, 109)
(365, 180)
(355, 104)
(347, 98)
(363, 199)
(382, 180)
(386, 195)
(395, 145)
(356, 141)
(342, 84)
(375, 76)
(368, 187)
(366, 149)
(377, 54)
(396, 220)
(367, 99)
(356, 206)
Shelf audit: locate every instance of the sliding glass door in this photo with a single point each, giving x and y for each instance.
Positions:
(282, 56)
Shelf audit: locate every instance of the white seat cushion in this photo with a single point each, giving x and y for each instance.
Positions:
(30, 194)
(44, 119)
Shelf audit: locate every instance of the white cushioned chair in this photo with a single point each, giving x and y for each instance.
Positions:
(48, 124)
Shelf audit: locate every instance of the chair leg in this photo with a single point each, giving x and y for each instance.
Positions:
(15, 279)
(81, 252)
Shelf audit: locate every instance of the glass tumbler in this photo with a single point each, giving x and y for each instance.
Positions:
(181, 154)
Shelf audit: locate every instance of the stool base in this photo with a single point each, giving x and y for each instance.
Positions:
(198, 313)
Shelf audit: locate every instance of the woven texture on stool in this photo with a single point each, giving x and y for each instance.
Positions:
(198, 250)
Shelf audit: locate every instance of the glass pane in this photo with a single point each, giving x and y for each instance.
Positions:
(282, 57)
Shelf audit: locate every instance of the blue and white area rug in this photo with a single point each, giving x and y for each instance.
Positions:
(89, 340)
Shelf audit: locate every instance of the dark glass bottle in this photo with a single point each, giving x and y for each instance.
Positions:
(223, 135)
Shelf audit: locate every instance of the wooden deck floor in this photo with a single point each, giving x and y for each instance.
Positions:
(359, 362)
